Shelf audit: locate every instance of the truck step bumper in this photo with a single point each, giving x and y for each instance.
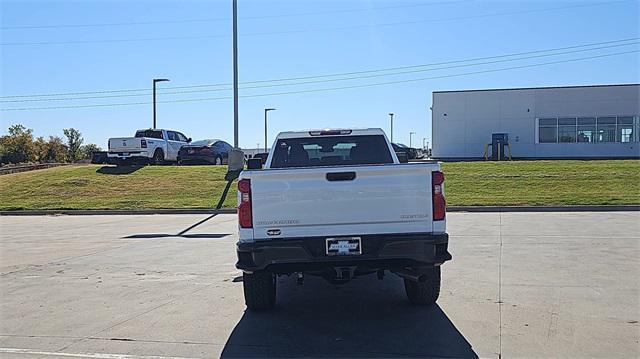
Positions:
(378, 252)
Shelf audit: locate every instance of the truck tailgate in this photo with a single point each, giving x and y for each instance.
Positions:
(340, 201)
(124, 144)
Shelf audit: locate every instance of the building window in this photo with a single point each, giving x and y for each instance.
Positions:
(548, 130)
(625, 129)
(589, 129)
(567, 129)
(606, 129)
(586, 129)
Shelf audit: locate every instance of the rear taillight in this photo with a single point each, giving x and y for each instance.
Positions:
(439, 203)
(143, 143)
(244, 206)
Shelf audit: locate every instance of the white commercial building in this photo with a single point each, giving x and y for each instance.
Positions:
(549, 122)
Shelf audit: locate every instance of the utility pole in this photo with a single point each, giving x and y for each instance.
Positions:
(391, 115)
(265, 127)
(410, 135)
(235, 74)
(423, 139)
(155, 81)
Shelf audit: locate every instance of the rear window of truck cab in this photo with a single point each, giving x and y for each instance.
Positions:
(331, 151)
(149, 134)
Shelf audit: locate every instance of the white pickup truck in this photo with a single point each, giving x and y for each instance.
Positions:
(147, 146)
(340, 204)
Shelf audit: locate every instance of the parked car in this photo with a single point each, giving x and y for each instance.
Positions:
(154, 146)
(99, 157)
(339, 204)
(214, 152)
(412, 153)
(262, 156)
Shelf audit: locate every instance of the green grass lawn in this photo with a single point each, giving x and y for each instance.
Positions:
(467, 183)
(94, 186)
(531, 183)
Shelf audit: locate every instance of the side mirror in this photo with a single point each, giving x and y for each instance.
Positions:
(189, 140)
(254, 163)
(402, 157)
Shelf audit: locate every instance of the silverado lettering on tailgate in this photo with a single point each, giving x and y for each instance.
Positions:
(278, 221)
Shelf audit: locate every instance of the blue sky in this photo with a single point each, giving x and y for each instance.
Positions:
(52, 47)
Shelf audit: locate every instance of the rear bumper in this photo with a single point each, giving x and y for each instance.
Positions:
(126, 155)
(139, 157)
(378, 252)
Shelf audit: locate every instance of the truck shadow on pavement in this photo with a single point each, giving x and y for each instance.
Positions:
(118, 170)
(364, 318)
(182, 233)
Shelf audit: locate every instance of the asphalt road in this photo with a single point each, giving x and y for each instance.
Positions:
(520, 285)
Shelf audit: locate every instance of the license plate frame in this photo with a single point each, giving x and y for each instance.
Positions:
(343, 246)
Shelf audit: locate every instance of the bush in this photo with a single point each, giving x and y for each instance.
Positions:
(88, 150)
(53, 150)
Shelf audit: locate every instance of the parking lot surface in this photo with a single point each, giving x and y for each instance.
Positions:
(519, 285)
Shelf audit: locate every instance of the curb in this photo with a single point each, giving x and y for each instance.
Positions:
(122, 212)
(543, 208)
(125, 212)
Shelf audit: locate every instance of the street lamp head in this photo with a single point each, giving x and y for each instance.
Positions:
(390, 113)
(270, 109)
(160, 80)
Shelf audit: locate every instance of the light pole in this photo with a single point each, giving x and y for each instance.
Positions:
(410, 135)
(155, 81)
(391, 115)
(265, 126)
(235, 73)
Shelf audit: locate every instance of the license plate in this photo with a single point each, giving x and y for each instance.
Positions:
(345, 246)
(125, 153)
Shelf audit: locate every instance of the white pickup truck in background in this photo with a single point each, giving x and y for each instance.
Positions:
(339, 204)
(154, 146)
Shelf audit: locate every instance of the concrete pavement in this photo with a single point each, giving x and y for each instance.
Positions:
(520, 285)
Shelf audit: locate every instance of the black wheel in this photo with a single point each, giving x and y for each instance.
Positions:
(218, 160)
(158, 157)
(259, 290)
(427, 292)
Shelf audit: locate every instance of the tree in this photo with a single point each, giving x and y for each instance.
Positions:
(53, 150)
(74, 142)
(17, 146)
(88, 150)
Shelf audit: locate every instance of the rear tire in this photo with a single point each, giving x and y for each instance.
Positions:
(158, 157)
(259, 290)
(427, 292)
